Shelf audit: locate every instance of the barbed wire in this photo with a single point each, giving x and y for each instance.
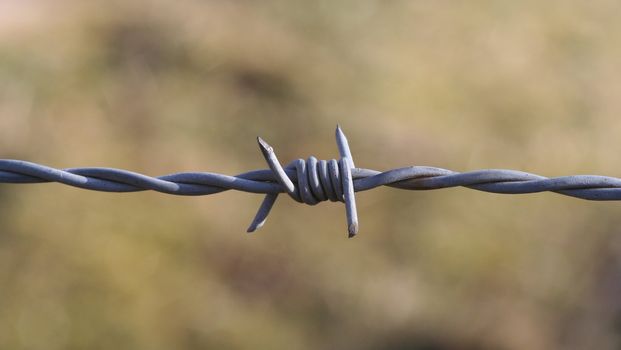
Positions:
(312, 181)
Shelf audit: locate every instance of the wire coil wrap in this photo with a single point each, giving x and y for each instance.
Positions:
(317, 181)
(312, 181)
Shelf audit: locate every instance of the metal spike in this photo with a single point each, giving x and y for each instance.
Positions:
(277, 169)
(263, 212)
(343, 145)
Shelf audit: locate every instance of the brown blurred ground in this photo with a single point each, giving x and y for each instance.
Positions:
(160, 87)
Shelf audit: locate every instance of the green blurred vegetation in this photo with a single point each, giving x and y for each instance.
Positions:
(160, 87)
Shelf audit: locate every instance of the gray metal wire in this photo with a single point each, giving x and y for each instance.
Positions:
(312, 181)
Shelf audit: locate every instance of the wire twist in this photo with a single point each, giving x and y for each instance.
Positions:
(312, 181)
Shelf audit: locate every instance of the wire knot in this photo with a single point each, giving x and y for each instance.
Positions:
(312, 181)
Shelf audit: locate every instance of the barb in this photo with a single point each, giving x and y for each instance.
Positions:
(312, 181)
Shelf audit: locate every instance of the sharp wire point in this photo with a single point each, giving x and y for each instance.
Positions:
(262, 212)
(343, 146)
(352, 230)
(264, 145)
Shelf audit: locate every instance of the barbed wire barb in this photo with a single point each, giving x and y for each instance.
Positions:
(312, 181)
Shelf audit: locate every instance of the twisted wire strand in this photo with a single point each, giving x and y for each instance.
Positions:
(312, 181)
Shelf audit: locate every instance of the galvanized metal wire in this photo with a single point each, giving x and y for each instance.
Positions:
(312, 181)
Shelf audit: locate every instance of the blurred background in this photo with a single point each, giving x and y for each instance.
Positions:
(167, 86)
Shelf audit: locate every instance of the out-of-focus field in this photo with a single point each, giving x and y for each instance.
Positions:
(166, 86)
